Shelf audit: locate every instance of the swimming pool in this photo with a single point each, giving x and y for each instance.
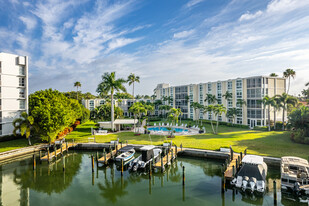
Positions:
(164, 129)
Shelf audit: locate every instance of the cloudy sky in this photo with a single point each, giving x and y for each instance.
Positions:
(172, 41)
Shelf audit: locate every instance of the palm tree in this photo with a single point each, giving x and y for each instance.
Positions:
(111, 84)
(232, 113)
(210, 109)
(227, 95)
(195, 106)
(307, 84)
(138, 109)
(218, 110)
(153, 97)
(267, 101)
(288, 73)
(132, 79)
(174, 114)
(273, 75)
(150, 108)
(285, 100)
(276, 106)
(240, 102)
(24, 124)
(77, 84)
(211, 99)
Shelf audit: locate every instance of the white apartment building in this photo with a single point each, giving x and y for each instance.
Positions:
(251, 90)
(13, 90)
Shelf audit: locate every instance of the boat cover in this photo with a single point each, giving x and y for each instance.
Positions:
(250, 170)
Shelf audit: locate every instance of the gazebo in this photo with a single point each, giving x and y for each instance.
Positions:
(117, 123)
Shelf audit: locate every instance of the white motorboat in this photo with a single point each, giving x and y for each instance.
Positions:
(252, 174)
(295, 175)
(126, 156)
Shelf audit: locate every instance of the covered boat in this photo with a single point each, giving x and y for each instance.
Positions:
(126, 156)
(295, 175)
(252, 174)
(149, 153)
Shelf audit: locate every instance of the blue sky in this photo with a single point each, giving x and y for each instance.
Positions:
(172, 41)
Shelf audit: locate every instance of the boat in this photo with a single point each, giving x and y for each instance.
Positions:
(295, 175)
(148, 154)
(252, 174)
(125, 156)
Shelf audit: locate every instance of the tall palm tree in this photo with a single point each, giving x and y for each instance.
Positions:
(232, 113)
(175, 113)
(196, 106)
(276, 106)
(218, 110)
(267, 101)
(227, 95)
(211, 99)
(110, 84)
(285, 100)
(288, 73)
(240, 102)
(210, 109)
(273, 75)
(307, 84)
(77, 84)
(24, 124)
(132, 79)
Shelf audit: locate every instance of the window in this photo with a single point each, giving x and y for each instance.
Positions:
(21, 82)
(238, 84)
(219, 86)
(22, 104)
(91, 104)
(22, 93)
(239, 112)
(230, 103)
(220, 118)
(101, 102)
(21, 70)
(239, 120)
(209, 88)
(239, 94)
(229, 86)
(0, 68)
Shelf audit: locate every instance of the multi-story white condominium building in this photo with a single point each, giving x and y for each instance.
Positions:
(124, 104)
(251, 90)
(13, 90)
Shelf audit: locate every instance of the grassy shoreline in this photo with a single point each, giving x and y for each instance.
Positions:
(274, 143)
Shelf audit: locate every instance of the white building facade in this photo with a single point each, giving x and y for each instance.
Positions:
(13, 90)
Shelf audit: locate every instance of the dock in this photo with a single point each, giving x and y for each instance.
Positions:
(53, 154)
(111, 154)
(167, 159)
(233, 166)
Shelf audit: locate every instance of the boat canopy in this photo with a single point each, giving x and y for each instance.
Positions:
(252, 170)
(294, 161)
(253, 159)
(148, 147)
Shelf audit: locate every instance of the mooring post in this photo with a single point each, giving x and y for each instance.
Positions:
(127, 142)
(245, 152)
(232, 153)
(40, 156)
(175, 151)
(104, 157)
(233, 170)
(240, 155)
(172, 157)
(162, 166)
(236, 164)
(97, 158)
(63, 162)
(275, 192)
(34, 162)
(67, 146)
(92, 163)
(183, 175)
(239, 160)
(150, 170)
(121, 167)
(55, 151)
(116, 150)
(181, 147)
(48, 154)
(61, 150)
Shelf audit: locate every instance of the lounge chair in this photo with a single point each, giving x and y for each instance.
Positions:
(168, 124)
(176, 125)
(181, 125)
(159, 124)
(155, 124)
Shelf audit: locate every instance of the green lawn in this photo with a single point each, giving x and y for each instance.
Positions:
(273, 143)
(13, 144)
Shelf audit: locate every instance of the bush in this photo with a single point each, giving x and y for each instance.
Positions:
(306, 140)
(298, 136)
(261, 128)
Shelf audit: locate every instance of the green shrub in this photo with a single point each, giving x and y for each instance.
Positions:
(298, 135)
(261, 128)
(306, 140)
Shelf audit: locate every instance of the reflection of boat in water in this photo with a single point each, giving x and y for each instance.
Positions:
(288, 198)
(295, 175)
(148, 154)
(252, 174)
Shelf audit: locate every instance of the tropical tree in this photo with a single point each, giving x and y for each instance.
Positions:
(273, 75)
(138, 109)
(110, 84)
(103, 112)
(150, 108)
(174, 114)
(153, 97)
(299, 120)
(196, 106)
(268, 102)
(77, 84)
(165, 108)
(24, 124)
(232, 113)
(240, 102)
(227, 95)
(276, 107)
(210, 109)
(288, 73)
(285, 100)
(132, 78)
(218, 110)
(211, 99)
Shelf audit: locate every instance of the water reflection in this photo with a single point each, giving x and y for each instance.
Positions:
(78, 185)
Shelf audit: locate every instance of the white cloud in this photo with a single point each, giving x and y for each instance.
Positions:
(28, 21)
(283, 6)
(183, 34)
(193, 3)
(120, 42)
(249, 16)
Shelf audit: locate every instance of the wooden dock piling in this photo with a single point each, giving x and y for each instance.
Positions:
(183, 175)
(92, 163)
(275, 192)
(34, 162)
(121, 167)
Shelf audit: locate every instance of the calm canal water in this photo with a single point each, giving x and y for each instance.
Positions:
(49, 185)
